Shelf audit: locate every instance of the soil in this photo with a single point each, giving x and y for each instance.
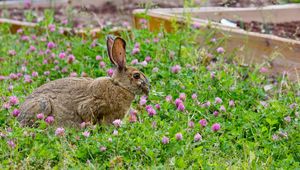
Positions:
(243, 3)
(287, 29)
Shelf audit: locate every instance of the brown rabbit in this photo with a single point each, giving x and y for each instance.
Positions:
(72, 101)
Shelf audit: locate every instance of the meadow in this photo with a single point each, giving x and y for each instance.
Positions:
(206, 109)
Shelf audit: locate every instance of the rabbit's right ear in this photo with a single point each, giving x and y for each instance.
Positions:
(119, 53)
(109, 45)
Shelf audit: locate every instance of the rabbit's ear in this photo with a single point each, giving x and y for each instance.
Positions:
(119, 52)
(109, 44)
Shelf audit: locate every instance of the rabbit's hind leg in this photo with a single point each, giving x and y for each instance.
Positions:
(31, 107)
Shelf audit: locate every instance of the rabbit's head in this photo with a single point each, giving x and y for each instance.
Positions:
(129, 78)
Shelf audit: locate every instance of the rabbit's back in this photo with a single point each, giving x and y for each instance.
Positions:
(66, 91)
(58, 98)
(63, 86)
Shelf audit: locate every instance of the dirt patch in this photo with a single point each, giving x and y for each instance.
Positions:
(287, 29)
(243, 3)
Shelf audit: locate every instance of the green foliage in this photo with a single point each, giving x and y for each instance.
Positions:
(244, 140)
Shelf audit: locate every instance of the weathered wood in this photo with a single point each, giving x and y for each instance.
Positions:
(15, 25)
(250, 46)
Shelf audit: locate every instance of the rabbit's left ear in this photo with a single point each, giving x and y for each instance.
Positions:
(119, 53)
(109, 44)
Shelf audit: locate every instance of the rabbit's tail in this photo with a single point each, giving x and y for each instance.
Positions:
(30, 108)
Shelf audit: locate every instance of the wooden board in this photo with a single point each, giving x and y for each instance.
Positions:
(250, 46)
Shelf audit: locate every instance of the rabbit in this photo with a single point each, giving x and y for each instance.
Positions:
(74, 100)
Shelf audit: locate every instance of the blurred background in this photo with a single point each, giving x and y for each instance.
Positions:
(105, 13)
(117, 14)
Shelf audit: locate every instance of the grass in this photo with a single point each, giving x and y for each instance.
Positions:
(260, 131)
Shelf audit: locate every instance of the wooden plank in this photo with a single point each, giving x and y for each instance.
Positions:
(15, 25)
(250, 46)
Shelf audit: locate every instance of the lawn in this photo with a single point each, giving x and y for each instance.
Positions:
(206, 109)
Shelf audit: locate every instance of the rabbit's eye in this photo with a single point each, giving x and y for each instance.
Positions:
(136, 75)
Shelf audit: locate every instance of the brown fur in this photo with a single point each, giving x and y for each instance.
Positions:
(75, 100)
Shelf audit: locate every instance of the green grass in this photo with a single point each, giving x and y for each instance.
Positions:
(244, 140)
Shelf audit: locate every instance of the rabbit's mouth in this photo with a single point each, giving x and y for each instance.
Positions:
(146, 87)
(146, 90)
